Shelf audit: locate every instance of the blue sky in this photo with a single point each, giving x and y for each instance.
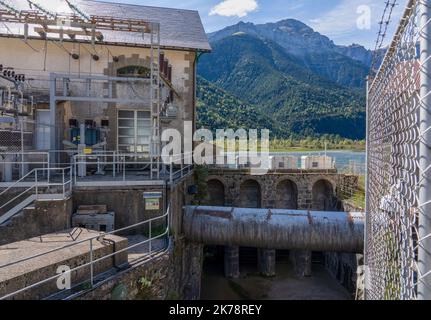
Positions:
(337, 19)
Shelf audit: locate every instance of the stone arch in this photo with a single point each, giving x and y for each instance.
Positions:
(250, 194)
(216, 193)
(323, 196)
(123, 61)
(287, 195)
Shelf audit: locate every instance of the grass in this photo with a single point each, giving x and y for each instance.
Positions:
(357, 199)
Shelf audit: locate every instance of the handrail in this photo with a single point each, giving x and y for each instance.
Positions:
(17, 182)
(92, 262)
(36, 184)
(119, 162)
(102, 235)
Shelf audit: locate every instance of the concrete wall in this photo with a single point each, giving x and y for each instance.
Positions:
(42, 218)
(16, 277)
(345, 268)
(127, 203)
(173, 275)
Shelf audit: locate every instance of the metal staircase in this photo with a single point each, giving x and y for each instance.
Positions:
(39, 184)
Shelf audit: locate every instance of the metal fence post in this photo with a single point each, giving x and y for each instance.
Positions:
(367, 189)
(91, 263)
(22, 147)
(424, 252)
(63, 184)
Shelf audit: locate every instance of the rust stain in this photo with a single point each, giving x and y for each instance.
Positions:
(214, 213)
(310, 218)
(350, 219)
(268, 217)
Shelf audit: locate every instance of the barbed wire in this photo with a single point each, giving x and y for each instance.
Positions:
(381, 36)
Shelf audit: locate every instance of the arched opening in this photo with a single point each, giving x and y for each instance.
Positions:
(134, 72)
(287, 195)
(250, 195)
(216, 193)
(323, 196)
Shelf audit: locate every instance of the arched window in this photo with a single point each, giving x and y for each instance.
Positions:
(287, 195)
(323, 196)
(216, 196)
(250, 194)
(134, 72)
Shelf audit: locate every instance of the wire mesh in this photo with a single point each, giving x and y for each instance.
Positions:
(394, 176)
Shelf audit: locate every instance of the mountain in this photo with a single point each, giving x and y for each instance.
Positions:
(275, 82)
(345, 65)
(217, 109)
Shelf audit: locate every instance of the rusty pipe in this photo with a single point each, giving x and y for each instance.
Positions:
(275, 229)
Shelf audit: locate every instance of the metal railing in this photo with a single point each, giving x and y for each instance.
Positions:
(129, 167)
(23, 160)
(398, 199)
(37, 182)
(92, 277)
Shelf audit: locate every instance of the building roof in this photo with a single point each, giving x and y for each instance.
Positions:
(179, 29)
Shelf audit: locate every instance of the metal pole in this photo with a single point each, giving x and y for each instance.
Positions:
(52, 114)
(424, 254)
(91, 263)
(37, 184)
(171, 172)
(150, 237)
(366, 268)
(22, 147)
(64, 187)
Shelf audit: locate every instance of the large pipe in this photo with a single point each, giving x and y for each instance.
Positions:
(275, 229)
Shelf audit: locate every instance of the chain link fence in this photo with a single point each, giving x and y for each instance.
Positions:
(19, 150)
(397, 253)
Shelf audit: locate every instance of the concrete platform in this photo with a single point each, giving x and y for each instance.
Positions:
(15, 276)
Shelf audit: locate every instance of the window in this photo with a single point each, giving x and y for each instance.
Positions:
(134, 72)
(134, 131)
(315, 164)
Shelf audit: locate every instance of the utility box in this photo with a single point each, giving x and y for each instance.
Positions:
(284, 163)
(317, 163)
(94, 218)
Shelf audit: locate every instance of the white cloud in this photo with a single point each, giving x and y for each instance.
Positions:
(341, 22)
(231, 8)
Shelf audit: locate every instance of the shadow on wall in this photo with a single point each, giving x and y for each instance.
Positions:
(323, 196)
(287, 195)
(216, 193)
(250, 195)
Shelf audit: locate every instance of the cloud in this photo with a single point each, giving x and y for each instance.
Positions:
(341, 21)
(231, 8)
